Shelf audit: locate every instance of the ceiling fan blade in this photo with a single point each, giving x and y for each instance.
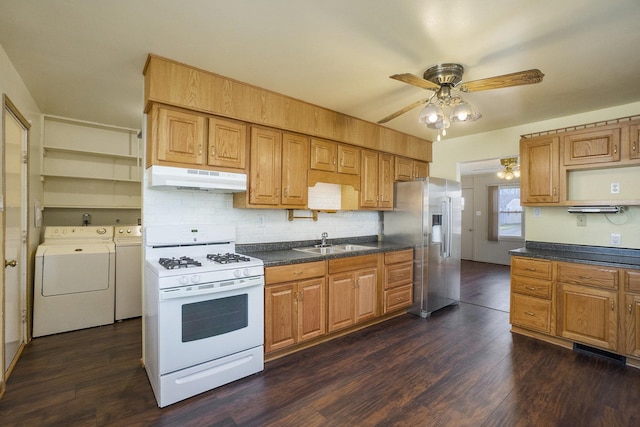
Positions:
(506, 80)
(415, 81)
(400, 112)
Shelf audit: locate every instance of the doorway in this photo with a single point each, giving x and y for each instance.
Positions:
(13, 215)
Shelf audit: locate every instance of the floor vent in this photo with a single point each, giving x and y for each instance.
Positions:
(590, 351)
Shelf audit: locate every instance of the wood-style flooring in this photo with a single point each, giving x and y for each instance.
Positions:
(460, 367)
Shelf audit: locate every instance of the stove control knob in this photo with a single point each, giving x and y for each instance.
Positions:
(237, 273)
(246, 272)
(195, 279)
(183, 280)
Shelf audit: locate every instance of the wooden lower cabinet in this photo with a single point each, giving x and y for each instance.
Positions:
(295, 311)
(532, 294)
(353, 295)
(632, 324)
(398, 280)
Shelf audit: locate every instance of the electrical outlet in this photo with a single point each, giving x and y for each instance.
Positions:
(537, 212)
(615, 187)
(582, 220)
(616, 239)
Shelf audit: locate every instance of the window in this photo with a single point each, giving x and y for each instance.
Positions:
(505, 213)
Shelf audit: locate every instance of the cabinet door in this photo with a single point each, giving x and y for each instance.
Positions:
(341, 301)
(404, 169)
(385, 181)
(634, 142)
(265, 168)
(420, 169)
(295, 152)
(632, 324)
(366, 298)
(227, 144)
(348, 159)
(279, 316)
(588, 315)
(323, 155)
(369, 180)
(591, 146)
(312, 321)
(539, 170)
(181, 136)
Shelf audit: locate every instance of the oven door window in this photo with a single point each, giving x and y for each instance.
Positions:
(214, 317)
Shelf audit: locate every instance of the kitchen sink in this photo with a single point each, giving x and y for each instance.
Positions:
(333, 249)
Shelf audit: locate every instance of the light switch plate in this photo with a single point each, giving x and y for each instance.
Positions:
(615, 187)
(582, 220)
(616, 239)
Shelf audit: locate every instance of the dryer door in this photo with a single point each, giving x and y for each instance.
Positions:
(75, 269)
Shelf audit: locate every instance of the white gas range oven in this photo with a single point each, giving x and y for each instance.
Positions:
(203, 310)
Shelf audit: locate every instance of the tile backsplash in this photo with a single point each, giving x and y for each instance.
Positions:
(165, 207)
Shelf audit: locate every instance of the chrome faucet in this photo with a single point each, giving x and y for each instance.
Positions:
(324, 239)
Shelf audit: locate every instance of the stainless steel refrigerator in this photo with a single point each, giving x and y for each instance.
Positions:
(427, 214)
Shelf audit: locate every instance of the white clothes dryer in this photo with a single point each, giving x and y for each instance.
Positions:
(128, 242)
(74, 280)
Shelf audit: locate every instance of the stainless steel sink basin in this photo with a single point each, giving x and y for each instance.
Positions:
(333, 249)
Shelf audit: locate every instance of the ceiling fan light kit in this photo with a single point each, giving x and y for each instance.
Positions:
(511, 169)
(442, 107)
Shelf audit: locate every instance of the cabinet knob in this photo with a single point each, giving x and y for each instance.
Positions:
(630, 308)
(615, 149)
(613, 305)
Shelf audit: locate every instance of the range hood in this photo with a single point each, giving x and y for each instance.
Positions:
(595, 209)
(167, 177)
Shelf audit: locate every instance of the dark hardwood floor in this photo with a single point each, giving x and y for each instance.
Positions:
(459, 367)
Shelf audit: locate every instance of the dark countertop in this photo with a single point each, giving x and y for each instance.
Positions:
(282, 253)
(598, 255)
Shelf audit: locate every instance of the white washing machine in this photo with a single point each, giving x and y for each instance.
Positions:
(128, 242)
(74, 282)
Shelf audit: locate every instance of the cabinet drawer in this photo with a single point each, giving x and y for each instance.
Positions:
(398, 256)
(339, 265)
(397, 298)
(531, 267)
(528, 286)
(398, 274)
(288, 273)
(590, 275)
(532, 313)
(632, 280)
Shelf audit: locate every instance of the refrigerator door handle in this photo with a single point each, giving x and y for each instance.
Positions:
(446, 228)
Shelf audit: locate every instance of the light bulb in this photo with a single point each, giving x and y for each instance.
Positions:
(500, 174)
(462, 116)
(433, 118)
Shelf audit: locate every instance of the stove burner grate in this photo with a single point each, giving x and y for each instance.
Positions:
(227, 258)
(182, 262)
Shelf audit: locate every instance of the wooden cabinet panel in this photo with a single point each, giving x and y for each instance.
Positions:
(539, 170)
(280, 316)
(286, 273)
(340, 265)
(592, 146)
(295, 152)
(531, 313)
(591, 275)
(369, 180)
(533, 287)
(398, 298)
(420, 169)
(341, 301)
(631, 280)
(632, 325)
(348, 159)
(634, 142)
(366, 298)
(398, 274)
(385, 181)
(588, 315)
(265, 170)
(180, 136)
(227, 145)
(530, 267)
(323, 155)
(398, 256)
(311, 309)
(403, 169)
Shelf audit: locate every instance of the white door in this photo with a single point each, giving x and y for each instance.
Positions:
(466, 251)
(14, 195)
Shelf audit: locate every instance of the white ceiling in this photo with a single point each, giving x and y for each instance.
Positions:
(84, 59)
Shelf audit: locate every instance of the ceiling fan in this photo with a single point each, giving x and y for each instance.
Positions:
(443, 79)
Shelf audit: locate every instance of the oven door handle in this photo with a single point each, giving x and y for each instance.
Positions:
(210, 288)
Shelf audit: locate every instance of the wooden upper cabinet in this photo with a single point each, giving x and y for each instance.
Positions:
(634, 141)
(385, 181)
(598, 145)
(348, 159)
(265, 169)
(420, 169)
(227, 144)
(539, 170)
(403, 169)
(179, 135)
(295, 152)
(324, 155)
(369, 180)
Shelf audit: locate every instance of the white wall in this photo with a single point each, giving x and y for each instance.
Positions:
(554, 223)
